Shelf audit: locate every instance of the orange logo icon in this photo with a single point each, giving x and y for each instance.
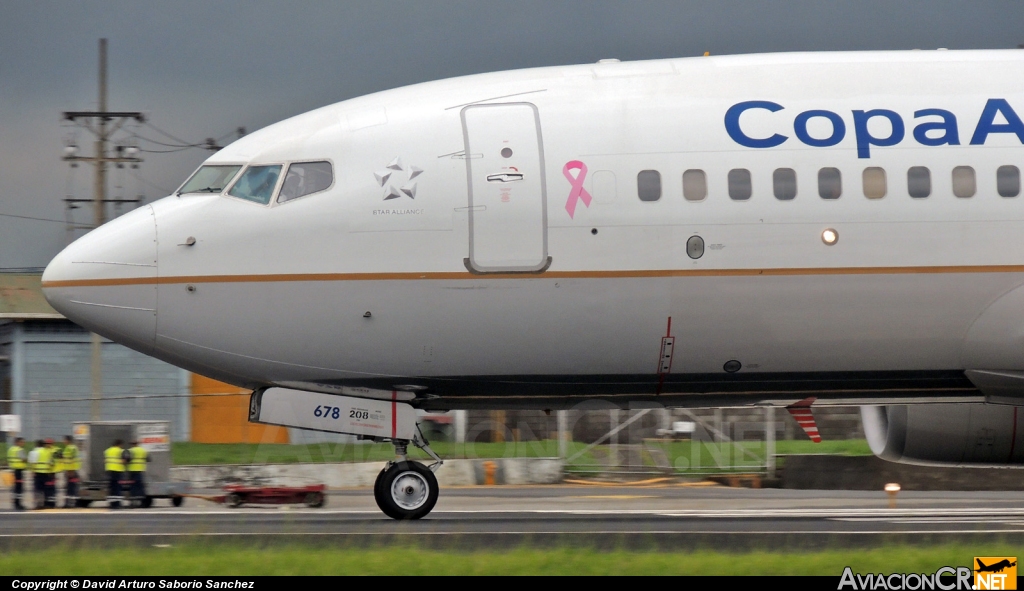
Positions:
(995, 572)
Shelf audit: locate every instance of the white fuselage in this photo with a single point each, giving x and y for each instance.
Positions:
(462, 263)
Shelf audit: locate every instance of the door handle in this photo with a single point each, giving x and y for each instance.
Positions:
(505, 177)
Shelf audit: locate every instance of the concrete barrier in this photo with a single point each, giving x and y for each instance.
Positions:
(451, 473)
(833, 472)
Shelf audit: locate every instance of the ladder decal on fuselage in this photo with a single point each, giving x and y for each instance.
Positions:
(668, 345)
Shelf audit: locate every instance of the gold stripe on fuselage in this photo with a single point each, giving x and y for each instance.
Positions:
(455, 276)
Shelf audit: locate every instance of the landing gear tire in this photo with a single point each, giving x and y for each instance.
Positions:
(377, 490)
(406, 490)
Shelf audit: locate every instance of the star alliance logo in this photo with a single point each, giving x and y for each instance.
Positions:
(397, 179)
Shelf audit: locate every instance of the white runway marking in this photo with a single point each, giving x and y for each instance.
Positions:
(521, 532)
(950, 514)
(992, 519)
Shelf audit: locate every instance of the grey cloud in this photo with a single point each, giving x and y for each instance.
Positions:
(201, 68)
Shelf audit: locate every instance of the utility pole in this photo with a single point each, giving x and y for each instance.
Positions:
(103, 124)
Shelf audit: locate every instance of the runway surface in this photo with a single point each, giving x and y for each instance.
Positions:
(669, 516)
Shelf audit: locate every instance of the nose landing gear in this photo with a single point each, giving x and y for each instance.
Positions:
(405, 489)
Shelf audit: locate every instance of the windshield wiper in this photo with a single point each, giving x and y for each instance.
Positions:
(206, 190)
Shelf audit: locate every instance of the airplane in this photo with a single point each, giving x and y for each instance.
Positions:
(768, 229)
(996, 567)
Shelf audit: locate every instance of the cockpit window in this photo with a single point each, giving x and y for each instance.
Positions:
(210, 179)
(257, 183)
(304, 178)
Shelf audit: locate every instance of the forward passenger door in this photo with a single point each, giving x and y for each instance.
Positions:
(507, 196)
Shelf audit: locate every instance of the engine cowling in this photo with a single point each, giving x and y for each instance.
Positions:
(967, 434)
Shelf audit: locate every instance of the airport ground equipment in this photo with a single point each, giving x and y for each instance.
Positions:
(236, 495)
(93, 437)
(404, 489)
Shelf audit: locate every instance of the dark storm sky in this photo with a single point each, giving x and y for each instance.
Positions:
(201, 69)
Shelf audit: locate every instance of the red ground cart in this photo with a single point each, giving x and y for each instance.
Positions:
(237, 495)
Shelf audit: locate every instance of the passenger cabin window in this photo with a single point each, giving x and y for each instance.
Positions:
(874, 182)
(919, 182)
(964, 183)
(695, 185)
(305, 178)
(739, 184)
(1008, 181)
(784, 183)
(648, 185)
(830, 183)
(209, 179)
(257, 183)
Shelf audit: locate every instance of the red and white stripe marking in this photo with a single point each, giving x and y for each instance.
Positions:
(394, 414)
(801, 411)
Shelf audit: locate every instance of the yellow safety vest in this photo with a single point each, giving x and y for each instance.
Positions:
(44, 463)
(138, 461)
(16, 458)
(113, 461)
(58, 459)
(70, 457)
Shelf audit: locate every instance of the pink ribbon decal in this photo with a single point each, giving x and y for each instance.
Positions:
(577, 192)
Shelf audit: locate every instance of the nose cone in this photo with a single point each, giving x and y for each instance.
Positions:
(106, 280)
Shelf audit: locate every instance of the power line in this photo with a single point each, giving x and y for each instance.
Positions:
(239, 131)
(210, 143)
(33, 218)
(167, 151)
(165, 144)
(138, 177)
(206, 144)
(175, 138)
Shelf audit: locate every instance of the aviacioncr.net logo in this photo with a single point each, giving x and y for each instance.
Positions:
(946, 578)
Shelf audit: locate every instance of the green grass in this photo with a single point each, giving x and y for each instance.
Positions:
(709, 458)
(282, 453)
(232, 560)
(684, 456)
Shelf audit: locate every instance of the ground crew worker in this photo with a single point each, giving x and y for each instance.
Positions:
(37, 476)
(114, 465)
(126, 479)
(44, 470)
(72, 464)
(16, 462)
(138, 456)
(58, 468)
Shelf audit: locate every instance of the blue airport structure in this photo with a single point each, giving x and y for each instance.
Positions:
(46, 371)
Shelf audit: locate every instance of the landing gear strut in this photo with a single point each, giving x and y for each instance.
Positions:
(406, 489)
